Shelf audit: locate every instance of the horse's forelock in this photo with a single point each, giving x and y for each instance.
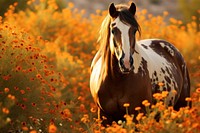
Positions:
(127, 17)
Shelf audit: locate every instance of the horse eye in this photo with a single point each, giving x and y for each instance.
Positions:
(115, 44)
(113, 32)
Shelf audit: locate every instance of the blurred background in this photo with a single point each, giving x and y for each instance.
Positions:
(178, 9)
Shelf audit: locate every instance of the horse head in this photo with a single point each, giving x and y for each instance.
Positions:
(123, 28)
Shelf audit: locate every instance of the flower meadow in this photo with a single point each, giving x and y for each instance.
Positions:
(45, 57)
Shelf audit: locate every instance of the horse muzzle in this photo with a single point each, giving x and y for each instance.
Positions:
(126, 66)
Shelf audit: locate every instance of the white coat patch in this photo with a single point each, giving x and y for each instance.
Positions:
(124, 29)
(155, 64)
(170, 50)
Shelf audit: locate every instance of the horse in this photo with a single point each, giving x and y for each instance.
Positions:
(125, 70)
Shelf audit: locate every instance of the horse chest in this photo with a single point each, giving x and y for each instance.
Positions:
(113, 94)
(111, 98)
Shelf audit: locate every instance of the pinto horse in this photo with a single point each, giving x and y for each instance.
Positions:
(128, 71)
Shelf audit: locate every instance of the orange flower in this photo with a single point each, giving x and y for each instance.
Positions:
(52, 128)
(11, 97)
(165, 13)
(161, 84)
(70, 5)
(129, 119)
(38, 76)
(126, 105)
(85, 118)
(198, 90)
(146, 103)
(157, 96)
(24, 128)
(22, 92)
(66, 114)
(6, 90)
(139, 116)
(93, 109)
(138, 108)
(174, 92)
(33, 131)
(165, 94)
(5, 110)
(188, 99)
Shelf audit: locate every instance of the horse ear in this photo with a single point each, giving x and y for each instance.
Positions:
(113, 11)
(132, 8)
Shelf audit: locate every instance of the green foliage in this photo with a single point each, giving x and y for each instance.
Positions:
(4, 4)
(190, 8)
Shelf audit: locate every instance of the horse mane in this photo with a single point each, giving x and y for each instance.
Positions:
(104, 37)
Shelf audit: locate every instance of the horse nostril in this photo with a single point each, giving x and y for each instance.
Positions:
(121, 62)
(131, 60)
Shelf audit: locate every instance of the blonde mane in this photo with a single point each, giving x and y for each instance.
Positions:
(104, 46)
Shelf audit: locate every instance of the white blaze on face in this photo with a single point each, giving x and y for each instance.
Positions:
(124, 29)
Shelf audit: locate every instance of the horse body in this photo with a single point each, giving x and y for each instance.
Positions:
(117, 78)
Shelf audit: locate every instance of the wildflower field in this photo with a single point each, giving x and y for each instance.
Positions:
(45, 57)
